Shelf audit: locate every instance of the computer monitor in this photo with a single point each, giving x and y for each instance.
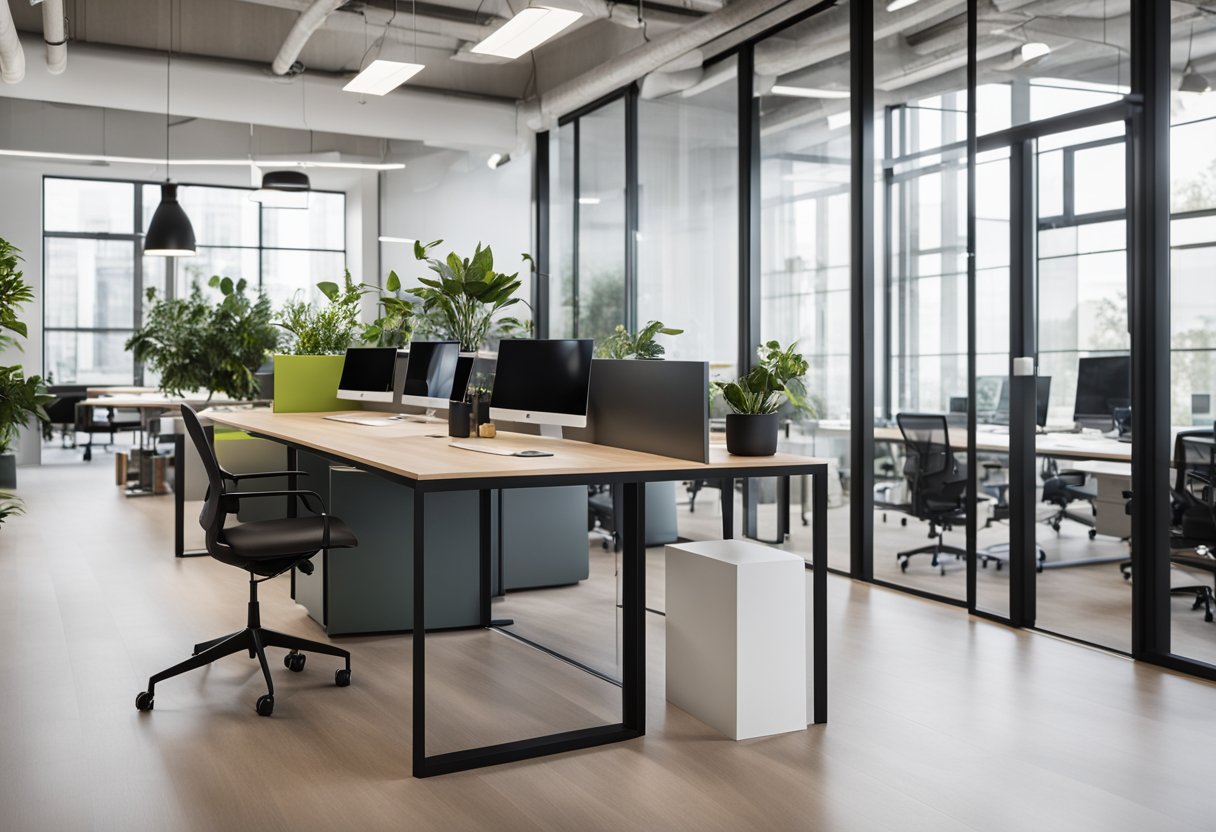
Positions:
(543, 382)
(1042, 397)
(430, 373)
(1103, 383)
(991, 399)
(367, 374)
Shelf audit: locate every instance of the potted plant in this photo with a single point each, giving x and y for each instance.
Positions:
(22, 397)
(641, 344)
(465, 300)
(751, 430)
(195, 345)
(10, 506)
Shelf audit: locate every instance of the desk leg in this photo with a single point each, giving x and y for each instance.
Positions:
(179, 498)
(419, 634)
(293, 483)
(633, 603)
(728, 508)
(819, 590)
(485, 545)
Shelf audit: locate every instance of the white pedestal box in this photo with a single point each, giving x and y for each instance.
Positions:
(736, 636)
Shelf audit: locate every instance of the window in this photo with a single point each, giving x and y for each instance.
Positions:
(95, 277)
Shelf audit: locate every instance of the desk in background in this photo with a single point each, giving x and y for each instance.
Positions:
(410, 455)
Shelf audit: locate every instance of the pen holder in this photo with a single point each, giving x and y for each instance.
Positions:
(458, 419)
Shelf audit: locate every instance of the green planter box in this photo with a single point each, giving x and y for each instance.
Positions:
(307, 383)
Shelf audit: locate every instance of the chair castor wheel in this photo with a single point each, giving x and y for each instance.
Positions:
(1093, 533)
(903, 566)
(294, 662)
(903, 521)
(265, 705)
(1208, 617)
(342, 678)
(143, 702)
(998, 566)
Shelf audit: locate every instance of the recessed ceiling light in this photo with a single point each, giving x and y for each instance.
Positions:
(526, 31)
(807, 92)
(382, 77)
(1034, 49)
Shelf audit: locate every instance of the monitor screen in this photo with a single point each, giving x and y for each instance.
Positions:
(367, 374)
(1103, 383)
(542, 381)
(430, 373)
(1042, 397)
(991, 399)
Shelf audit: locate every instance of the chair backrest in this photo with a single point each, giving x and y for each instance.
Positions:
(212, 517)
(927, 438)
(1194, 452)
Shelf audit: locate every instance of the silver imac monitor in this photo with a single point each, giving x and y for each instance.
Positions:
(542, 382)
(367, 374)
(430, 373)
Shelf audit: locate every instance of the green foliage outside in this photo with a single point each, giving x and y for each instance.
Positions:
(780, 374)
(641, 344)
(196, 345)
(465, 299)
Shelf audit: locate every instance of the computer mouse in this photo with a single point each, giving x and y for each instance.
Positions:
(533, 453)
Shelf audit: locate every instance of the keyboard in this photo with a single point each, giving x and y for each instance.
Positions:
(357, 419)
(497, 450)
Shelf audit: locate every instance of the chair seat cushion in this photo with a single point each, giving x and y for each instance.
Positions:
(293, 536)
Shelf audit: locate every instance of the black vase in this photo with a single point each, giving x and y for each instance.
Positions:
(458, 419)
(752, 434)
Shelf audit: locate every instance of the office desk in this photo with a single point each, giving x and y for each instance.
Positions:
(415, 456)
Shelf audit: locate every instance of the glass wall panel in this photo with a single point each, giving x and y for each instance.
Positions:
(600, 296)
(805, 277)
(561, 232)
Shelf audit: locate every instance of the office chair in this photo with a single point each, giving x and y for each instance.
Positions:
(602, 520)
(265, 548)
(62, 411)
(1193, 515)
(1062, 489)
(937, 484)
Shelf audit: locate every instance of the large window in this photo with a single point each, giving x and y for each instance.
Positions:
(95, 276)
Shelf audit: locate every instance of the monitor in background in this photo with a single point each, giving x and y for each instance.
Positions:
(1201, 409)
(992, 400)
(430, 373)
(1103, 383)
(367, 374)
(542, 382)
(958, 404)
(1042, 397)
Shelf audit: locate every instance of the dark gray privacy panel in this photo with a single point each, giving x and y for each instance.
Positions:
(658, 407)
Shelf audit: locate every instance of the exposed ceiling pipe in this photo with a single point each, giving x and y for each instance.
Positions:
(12, 56)
(308, 22)
(53, 32)
(375, 18)
(626, 68)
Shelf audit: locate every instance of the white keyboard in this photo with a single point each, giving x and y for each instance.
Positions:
(356, 419)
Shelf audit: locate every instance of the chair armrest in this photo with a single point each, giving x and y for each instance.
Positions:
(262, 475)
(302, 496)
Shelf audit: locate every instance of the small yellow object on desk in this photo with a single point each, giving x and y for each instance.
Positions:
(487, 430)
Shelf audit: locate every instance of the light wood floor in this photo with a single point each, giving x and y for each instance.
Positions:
(938, 721)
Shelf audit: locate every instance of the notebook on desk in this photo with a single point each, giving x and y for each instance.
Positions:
(360, 419)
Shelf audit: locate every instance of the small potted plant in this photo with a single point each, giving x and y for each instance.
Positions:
(751, 430)
(464, 301)
(641, 344)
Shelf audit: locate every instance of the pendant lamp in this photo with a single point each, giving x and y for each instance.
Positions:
(170, 233)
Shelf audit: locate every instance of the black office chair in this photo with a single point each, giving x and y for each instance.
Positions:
(265, 548)
(62, 410)
(937, 484)
(1193, 515)
(1062, 489)
(602, 519)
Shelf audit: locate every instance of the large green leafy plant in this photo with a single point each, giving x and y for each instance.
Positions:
(22, 397)
(779, 374)
(641, 344)
(465, 300)
(194, 344)
(329, 328)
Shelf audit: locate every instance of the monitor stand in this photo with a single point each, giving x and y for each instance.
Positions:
(552, 431)
(429, 416)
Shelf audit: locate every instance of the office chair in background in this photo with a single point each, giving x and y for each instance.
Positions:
(265, 548)
(1062, 489)
(937, 484)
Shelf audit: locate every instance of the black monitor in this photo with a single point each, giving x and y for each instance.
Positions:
(430, 373)
(991, 399)
(367, 374)
(1042, 396)
(1103, 383)
(543, 382)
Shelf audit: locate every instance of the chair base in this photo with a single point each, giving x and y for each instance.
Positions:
(254, 640)
(936, 550)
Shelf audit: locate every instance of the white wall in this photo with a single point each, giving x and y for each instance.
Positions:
(455, 197)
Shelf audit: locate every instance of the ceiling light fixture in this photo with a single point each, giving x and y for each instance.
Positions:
(588, 200)
(807, 92)
(497, 160)
(896, 5)
(838, 120)
(283, 189)
(382, 76)
(102, 159)
(1192, 80)
(406, 240)
(1033, 50)
(170, 233)
(526, 31)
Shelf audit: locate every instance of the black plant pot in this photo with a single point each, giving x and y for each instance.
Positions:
(752, 434)
(8, 470)
(458, 419)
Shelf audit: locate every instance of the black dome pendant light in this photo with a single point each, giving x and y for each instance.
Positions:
(170, 233)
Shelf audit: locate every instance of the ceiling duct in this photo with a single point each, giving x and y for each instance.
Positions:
(12, 56)
(309, 21)
(55, 36)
